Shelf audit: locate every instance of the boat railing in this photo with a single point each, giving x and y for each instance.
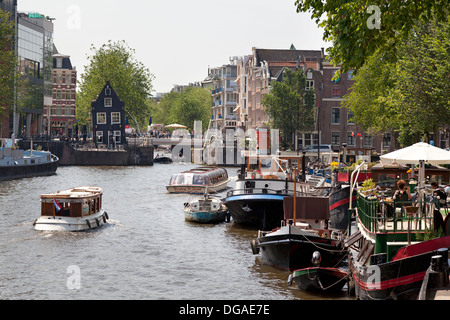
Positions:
(265, 191)
(383, 215)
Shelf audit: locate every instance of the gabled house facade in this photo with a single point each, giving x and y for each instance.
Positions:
(108, 119)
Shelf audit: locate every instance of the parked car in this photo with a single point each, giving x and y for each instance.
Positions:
(323, 148)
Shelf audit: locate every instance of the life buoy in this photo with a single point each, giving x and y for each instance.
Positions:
(88, 223)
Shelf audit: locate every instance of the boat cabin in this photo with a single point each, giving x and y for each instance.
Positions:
(74, 203)
(203, 176)
(271, 167)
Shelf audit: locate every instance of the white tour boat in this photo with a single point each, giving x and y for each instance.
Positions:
(77, 209)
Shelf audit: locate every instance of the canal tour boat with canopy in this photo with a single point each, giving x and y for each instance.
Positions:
(198, 180)
(76, 209)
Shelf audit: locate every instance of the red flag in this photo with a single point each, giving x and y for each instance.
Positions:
(360, 135)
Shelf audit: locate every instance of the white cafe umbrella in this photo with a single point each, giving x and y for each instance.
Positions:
(418, 153)
(176, 126)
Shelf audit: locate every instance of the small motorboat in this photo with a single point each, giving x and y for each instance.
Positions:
(77, 209)
(205, 209)
(318, 279)
(162, 159)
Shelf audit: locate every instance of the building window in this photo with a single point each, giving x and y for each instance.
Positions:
(335, 138)
(335, 115)
(99, 136)
(387, 139)
(309, 75)
(309, 85)
(101, 118)
(350, 116)
(59, 63)
(108, 102)
(231, 97)
(68, 95)
(117, 136)
(59, 95)
(368, 140)
(350, 75)
(108, 91)
(115, 117)
(336, 92)
(350, 139)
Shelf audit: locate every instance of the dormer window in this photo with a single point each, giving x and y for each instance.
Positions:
(59, 63)
(108, 102)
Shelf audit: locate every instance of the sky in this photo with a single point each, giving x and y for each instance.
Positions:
(177, 40)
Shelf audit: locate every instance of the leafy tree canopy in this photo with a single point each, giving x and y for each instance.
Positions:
(115, 62)
(409, 94)
(8, 61)
(359, 28)
(290, 106)
(193, 104)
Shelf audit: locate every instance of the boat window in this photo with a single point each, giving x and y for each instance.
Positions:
(173, 180)
(199, 180)
(180, 179)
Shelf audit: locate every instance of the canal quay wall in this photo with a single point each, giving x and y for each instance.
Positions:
(133, 155)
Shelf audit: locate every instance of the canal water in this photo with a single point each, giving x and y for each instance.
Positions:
(146, 252)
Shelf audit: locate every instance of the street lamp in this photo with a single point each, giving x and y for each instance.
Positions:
(344, 155)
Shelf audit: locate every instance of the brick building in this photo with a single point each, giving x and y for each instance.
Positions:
(60, 118)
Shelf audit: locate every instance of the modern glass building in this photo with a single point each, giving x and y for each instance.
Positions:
(35, 50)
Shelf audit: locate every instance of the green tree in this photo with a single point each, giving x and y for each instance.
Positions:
(193, 104)
(408, 94)
(8, 62)
(290, 106)
(359, 28)
(115, 62)
(162, 112)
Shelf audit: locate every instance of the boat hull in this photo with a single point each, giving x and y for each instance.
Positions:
(318, 279)
(206, 217)
(395, 280)
(339, 205)
(294, 251)
(262, 211)
(71, 224)
(27, 171)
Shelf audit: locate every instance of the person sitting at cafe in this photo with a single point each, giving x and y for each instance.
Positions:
(402, 195)
(439, 193)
